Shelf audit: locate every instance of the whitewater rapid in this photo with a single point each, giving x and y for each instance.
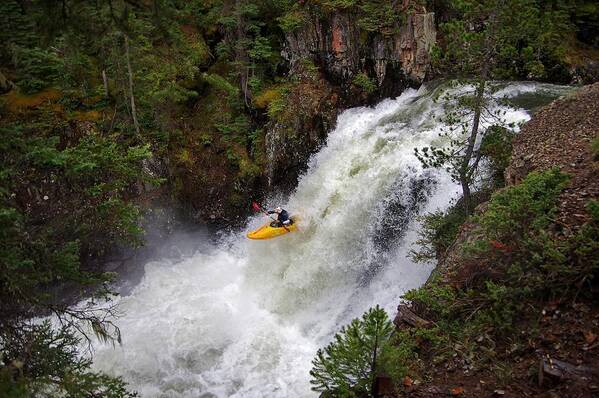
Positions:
(243, 318)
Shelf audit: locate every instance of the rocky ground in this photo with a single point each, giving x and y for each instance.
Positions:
(561, 356)
(560, 135)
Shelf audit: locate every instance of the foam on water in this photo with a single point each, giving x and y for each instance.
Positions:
(245, 318)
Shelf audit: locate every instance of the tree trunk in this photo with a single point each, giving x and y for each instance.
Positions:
(105, 80)
(133, 108)
(465, 172)
(373, 366)
(466, 197)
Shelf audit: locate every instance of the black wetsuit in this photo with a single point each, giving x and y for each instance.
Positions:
(282, 217)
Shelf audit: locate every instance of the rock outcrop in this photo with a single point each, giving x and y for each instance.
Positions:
(337, 43)
(299, 129)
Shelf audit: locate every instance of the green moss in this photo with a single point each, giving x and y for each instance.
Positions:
(248, 170)
(362, 81)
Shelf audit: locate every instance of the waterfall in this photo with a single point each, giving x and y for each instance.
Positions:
(243, 318)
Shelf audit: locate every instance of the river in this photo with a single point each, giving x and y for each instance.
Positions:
(242, 318)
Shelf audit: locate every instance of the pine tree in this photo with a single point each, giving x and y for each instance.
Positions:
(348, 365)
(490, 39)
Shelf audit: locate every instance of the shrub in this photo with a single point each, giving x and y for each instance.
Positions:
(437, 233)
(221, 83)
(292, 20)
(519, 212)
(267, 96)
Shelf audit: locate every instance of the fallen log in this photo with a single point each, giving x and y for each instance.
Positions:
(407, 318)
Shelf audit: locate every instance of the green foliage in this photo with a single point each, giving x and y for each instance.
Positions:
(221, 83)
(437, 233)
(496, 147)
(40, 360)
(506, 39)
(437, 299)
(17, 28)
(348, 365)
(292, 20)
(79, 194)
(362, 81)
(38, 68)
(276, 107)
(94, 213)
(524, 209)
(518, 265)
(378, 16)
(339, 4)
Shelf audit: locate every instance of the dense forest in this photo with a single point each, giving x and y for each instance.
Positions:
(109, 108)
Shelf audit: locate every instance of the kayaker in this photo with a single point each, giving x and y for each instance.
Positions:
(282, 216)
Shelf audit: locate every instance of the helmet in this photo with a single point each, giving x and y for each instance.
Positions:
(278, 209)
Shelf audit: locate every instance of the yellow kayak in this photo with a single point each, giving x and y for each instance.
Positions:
(268, 232)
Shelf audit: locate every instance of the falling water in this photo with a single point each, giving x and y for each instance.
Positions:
(244, 318)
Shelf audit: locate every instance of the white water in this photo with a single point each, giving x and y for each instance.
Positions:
(245, 318)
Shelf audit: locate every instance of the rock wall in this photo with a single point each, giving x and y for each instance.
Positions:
(337, 44)
(341, 50)
(310, 112)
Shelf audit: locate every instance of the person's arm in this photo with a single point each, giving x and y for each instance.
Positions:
(271, 212)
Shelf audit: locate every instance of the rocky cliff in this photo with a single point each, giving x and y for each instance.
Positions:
(344, 49)
(352, 65)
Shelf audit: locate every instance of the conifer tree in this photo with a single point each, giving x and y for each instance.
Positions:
(488, 39)
(348, 365)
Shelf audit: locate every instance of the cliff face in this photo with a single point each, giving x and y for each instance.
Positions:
(300, 128)
(355, 67)
(337, 43)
